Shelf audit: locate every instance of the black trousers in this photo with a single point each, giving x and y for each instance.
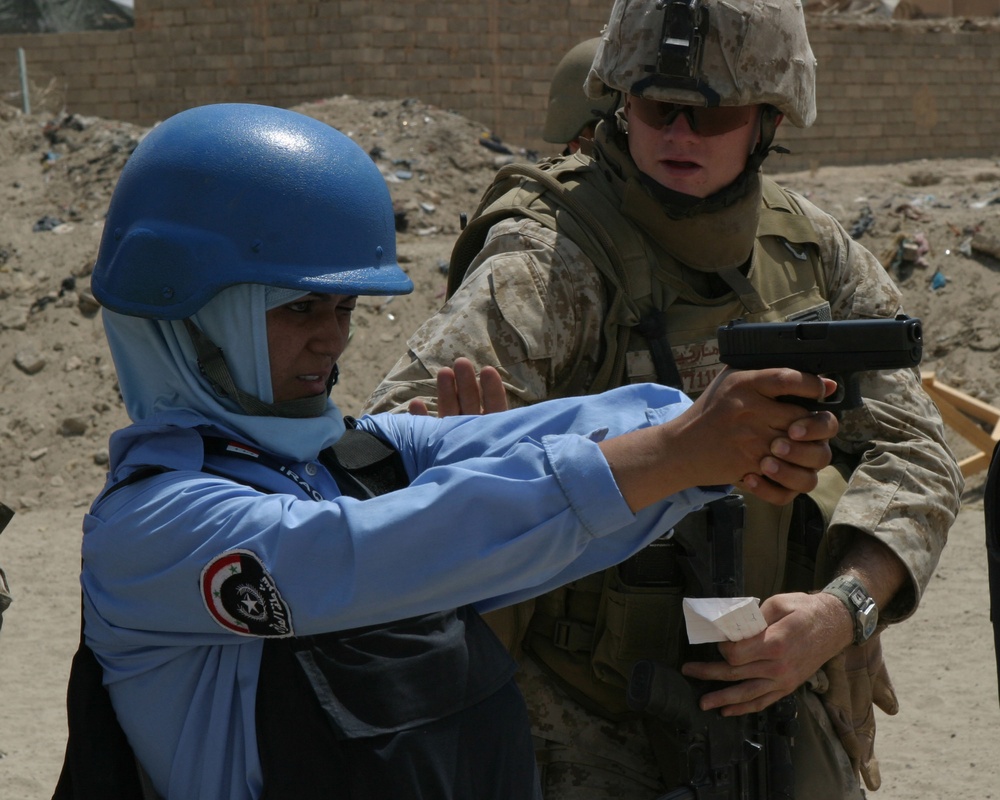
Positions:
(991, 504)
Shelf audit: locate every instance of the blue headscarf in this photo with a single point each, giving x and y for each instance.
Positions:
(161, 382)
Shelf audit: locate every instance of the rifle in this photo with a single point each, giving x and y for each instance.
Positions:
(724, 758)
(839, 350)
(6, 514)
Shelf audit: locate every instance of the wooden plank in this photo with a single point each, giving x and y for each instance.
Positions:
(961, 413)
(976, 409)
(973, 464)
(963, 426)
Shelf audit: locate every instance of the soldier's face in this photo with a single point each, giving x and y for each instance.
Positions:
(696, 152)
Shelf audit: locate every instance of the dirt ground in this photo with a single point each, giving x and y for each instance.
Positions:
(59, 400)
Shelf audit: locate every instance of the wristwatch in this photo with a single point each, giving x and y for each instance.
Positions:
(850, 591)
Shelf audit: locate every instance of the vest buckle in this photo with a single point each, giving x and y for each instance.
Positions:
(568, 634)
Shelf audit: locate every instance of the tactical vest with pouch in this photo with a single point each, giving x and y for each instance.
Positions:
(658, 328)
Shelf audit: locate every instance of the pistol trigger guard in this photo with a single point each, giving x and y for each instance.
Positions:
(834, 404)
(839, 398)
(810, 405)
(846, 396)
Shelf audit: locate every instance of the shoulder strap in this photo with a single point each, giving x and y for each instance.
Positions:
(140, 474)
(515, 176)
(514, 189)
(783, 215)
(363, 464)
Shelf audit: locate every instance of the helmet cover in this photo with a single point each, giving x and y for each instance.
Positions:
(709, 53)
(570, 109)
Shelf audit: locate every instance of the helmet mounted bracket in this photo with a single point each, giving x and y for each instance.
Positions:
(681, 44)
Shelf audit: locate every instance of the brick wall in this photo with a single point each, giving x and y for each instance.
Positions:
(888, 92)
(903, 91)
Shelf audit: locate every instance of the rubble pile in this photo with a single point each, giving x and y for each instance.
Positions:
(934, 224)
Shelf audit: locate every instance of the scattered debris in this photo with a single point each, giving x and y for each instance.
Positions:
(30, 362)
(863, 224)
(73, 426)
(984, 243)
(46, 223)
(47, 307)
(491, 142)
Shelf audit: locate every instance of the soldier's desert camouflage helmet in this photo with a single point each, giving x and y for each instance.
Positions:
(709, 53)
(570, 110)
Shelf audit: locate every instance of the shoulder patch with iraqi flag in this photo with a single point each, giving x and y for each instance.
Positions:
(242, 596)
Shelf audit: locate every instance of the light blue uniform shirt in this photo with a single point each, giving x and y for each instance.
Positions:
(501, 507)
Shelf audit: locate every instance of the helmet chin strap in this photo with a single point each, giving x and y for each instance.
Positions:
(769, 119)
(212, 364)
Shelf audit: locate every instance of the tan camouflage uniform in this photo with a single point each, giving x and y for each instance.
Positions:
(533, 303)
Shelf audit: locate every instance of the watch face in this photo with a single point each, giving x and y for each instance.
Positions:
(868, 617)
(858, 597)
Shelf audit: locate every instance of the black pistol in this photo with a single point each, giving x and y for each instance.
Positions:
(838, 350)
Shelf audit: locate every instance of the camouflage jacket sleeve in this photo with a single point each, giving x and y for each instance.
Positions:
(906, 487)
(530, 305)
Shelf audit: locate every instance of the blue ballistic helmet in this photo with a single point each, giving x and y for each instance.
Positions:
(238, 193)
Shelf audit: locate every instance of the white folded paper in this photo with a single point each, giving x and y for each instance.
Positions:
(717, 619)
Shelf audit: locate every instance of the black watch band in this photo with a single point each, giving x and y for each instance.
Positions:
(852, 593)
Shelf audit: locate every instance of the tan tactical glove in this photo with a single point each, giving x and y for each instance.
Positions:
(859, 681)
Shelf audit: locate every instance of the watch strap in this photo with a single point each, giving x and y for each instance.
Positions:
(864, 612)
